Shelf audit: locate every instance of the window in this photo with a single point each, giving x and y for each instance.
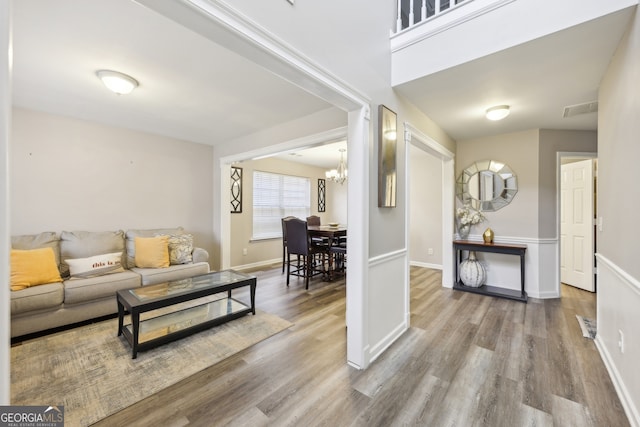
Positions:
(276, 196)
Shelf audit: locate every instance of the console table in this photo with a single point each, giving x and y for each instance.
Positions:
(467, 245)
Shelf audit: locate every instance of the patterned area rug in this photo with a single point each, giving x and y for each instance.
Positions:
(89, 369)
(588, 327)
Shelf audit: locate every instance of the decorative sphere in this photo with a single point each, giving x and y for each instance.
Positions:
(472, 272)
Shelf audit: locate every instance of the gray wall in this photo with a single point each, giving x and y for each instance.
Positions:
(619, 133)
(552, 142)
(69, 174)
(425, 201)
(618, 205)
(520, 151)
(532, 155)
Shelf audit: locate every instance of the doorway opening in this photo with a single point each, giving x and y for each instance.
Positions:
(302, 156)
(577, 184)
(431, 153)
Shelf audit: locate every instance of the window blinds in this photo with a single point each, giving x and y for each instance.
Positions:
(276, 196)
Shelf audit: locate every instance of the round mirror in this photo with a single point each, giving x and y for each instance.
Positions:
(487, 185)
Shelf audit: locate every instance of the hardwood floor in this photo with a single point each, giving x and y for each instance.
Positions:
(467, 360)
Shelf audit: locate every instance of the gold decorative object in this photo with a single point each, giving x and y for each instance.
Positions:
(488, 235)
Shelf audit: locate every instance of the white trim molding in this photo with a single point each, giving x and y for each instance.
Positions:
(618, 314)
(388, 297)
(425, 265)
(226, 26)
(444, 21)
(221, 23)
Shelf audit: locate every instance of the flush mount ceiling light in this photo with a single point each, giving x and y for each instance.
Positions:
(117, 82)
(498, 112)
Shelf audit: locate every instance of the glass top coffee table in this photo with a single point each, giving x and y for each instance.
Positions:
(170, 322)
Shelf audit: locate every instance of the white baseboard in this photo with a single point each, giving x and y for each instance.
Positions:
(258, 264)
(621, 389)
(425, 265)
(381, 346)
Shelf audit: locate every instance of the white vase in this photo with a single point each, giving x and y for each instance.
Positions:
(472, 272)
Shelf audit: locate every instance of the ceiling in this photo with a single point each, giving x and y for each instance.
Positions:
(190, 88)
(193, 89)
(324, 156)
(538, 79)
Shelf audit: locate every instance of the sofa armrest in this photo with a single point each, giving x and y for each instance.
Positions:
(200, 255)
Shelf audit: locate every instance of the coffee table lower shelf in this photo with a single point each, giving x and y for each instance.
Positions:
(494, 291)
(173, 326)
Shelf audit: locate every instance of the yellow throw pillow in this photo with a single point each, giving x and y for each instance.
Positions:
(33, 267)
(152, 252)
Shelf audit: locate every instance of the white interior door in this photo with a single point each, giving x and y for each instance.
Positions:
(576, 227)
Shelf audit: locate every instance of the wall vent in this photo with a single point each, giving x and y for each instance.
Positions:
(574, 110)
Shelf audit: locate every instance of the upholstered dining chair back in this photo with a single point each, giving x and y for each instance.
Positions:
(284, 240)
(297, 237)
(299, 244)
(313, 220)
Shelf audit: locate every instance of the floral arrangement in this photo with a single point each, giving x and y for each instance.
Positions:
(468, 217)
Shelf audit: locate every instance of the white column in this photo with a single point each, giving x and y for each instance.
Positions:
(399, 17)
(410, 14)
(423, 10)
(437, 7)
(5, 126)
(358, 236)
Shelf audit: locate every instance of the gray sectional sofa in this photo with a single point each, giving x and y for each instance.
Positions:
(76, 299)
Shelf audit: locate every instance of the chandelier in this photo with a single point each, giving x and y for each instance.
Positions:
(338, 175)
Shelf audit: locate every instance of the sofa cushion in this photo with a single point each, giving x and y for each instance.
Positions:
(94, 266)
(35, 241)
(37, 298)
(152, 252)
(152, 232)
(33, 267)
(151, 276)
(83, 290)
(83, 244)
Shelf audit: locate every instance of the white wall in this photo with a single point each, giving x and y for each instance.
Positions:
(413, 51)
(618, 205)
(425, 202)
(337, 201)
(70, 174)
(5, 129)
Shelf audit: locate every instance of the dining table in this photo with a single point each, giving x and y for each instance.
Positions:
(332, 234)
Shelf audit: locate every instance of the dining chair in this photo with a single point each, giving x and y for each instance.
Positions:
(314, 220)
(339, 252)
(299, 243)
(284, 240)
